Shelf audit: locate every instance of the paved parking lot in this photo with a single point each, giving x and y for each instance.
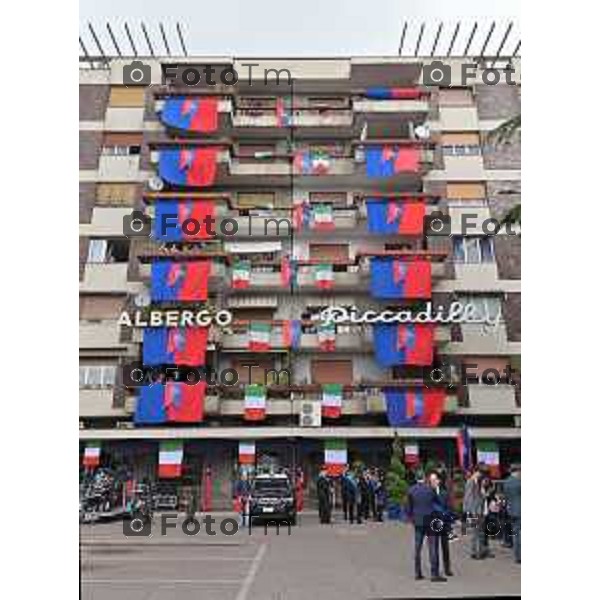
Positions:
(338, 561)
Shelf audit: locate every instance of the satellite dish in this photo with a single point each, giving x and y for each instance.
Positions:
(422, 132)
(156, 184)
(142, 299)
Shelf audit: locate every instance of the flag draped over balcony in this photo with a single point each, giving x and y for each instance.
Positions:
(395, 217)
(188, 220)
(336, 457)
(404, 344)
(282, 116)
(463, 447)
(91, 454)
(418, 407)
(393, 93)
(172, 281)
(326, 336)
(173, 402)
(259, 337)
(195, 167)
(411, 452)
(285, 271)
(392, 278)
(240, 275)
(170, 459)
(331, 400)
(255, 402)
(322, 217)
(323, 274)
(386, 161)
(246, 453)
(488, 453)
(300, 215)
(191, 114)
(175, 346)
(312, 162)
(291, 331)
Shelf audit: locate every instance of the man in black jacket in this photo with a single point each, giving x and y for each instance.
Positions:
(324, 496)
(421, 508)
(445, 515)
(512, 492)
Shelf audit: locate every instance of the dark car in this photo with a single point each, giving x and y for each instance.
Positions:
(272, 497)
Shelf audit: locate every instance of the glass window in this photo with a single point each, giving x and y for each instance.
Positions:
(97, 251)
(82, 376)
(459, 249)
(473, 250)
(487, 308)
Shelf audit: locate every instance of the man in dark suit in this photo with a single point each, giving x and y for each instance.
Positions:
(422, 501)
(512, 493)
(324, 496)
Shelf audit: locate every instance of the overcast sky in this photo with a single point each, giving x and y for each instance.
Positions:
(300, 27)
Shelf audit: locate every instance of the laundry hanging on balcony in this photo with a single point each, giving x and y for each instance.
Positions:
(255, 402)
(326, 336)
(331, 400)
(419, 407)
(323, 275)
(91, 455)
(393, 278)
(336, 457)
(170, 459)
(172, 281)
(393, 93)
(184, 221)
(488, 453)
(240, 275)
(196, 167)
(395, 217)
(175, 346)
(386, 161)
(312, 162)
(259, 337)
(322, 217)
(292, 332)
(172, 402)
(247, 453)
(404, 344)
(191, 114)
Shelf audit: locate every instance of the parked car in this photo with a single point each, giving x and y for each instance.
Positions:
(272, 497)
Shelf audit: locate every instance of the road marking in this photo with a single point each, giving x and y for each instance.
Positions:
(251, 576)
(94, 558)
(160, 581)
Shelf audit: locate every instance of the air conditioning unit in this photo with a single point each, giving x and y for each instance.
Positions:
(310, 414)
(156, 184)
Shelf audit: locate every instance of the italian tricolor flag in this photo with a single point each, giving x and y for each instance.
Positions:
(255, 402)
(331, 402)
(259, 337)
(322, 217)
(240, 277)
(336, 456)
(170, 459)
(91, 454)
(411, 453)
(247, 453)
(324, 276)
(319, 160)
(488, 453)
(326, 337)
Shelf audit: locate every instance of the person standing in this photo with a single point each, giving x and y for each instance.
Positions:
(363, 497)
(345, 484)
(353, 493)
(473, 511)
(420, 508)
(380, 498)
(241, 497)
(445, 514)
(512, 492)
(324, 496)
(299, 489)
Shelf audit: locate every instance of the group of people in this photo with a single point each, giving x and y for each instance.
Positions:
(362, 492)
(489, 511)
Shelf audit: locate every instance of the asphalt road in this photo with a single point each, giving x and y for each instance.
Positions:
(337, 562)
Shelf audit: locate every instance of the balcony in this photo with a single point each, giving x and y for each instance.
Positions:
(100, 335)
(301, 118)
(99, 402)
(119, 168)
(490, 400)
(105, 277)
(393, 108)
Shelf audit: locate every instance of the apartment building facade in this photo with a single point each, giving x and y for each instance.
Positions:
(349, 157)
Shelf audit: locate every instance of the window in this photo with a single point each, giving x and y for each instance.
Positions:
(100, 307)
(121, 144)
(108, 251)
(487, 308)
(461, 144)
(116, 194)
(97, 376)
(123, 96)
(473, 250)
(456, 97)
(335, 198)
(465, 193)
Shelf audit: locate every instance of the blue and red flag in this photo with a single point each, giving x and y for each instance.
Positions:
(186, 281)
(172, 402)
(386, 161)
(397, 279)
(404, 344)
(393, 93)
(187, 220)
(391, 216)
(175, 346)
(418, 407)
(195, 167)
(191, 114)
